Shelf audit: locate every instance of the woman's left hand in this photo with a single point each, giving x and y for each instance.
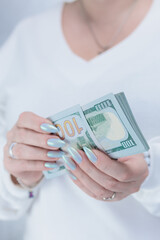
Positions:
(101, 177)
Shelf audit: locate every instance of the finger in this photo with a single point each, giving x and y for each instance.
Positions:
(36, 123)
(32, 138)
(113, 168)
(26, 152)
(119, 196)
(88, 182)
(137, 165)
(102, 178)
(80, 185)
(129, 169)
(21, 165)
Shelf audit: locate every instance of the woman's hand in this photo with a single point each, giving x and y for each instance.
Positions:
(100, 176)
(36, 150)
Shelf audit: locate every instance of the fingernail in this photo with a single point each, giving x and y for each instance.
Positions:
(91, 156)
(55, 154)
(71, 175)
(76, 156)
(48, 128)
(51, 165)
(54, 142)
(69, 162)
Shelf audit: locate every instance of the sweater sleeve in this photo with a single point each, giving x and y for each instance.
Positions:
(149, 194)
(14, 200)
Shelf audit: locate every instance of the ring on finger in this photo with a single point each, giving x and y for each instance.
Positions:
(109, 198)
(11, 150)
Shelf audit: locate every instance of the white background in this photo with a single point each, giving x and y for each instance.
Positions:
(11, 12)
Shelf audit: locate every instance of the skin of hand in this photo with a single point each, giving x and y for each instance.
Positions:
(31, 150)
(104, 176)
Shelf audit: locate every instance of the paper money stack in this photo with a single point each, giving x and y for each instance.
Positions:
(107, 124)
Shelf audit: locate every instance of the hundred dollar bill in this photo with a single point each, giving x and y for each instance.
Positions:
(114, 126)
(106, 124)
(74, 129)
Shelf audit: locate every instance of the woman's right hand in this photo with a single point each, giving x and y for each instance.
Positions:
(35, 149)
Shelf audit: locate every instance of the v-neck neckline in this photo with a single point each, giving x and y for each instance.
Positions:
(76, 67)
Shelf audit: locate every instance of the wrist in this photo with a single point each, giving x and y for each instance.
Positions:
(19, 182)
(30, 188)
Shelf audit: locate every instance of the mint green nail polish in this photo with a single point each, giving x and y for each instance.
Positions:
(76, 156)
(48, 128)
(71, 175)
(91, 156)
(55, 142)
(69, 162)
(55, 154)
(51, 165)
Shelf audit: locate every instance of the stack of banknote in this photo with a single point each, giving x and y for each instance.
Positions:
(107, 124)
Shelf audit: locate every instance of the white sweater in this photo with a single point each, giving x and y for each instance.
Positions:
(40, 73)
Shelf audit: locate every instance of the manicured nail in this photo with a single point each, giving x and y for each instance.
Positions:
(76, 156)
(91, 156)
(51, 165)
(55, 142)
(69, 162)
(71, 174)
(55, 154)
(48, 128)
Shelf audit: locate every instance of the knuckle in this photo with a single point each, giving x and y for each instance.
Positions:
(22, 117)
(21, 134)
